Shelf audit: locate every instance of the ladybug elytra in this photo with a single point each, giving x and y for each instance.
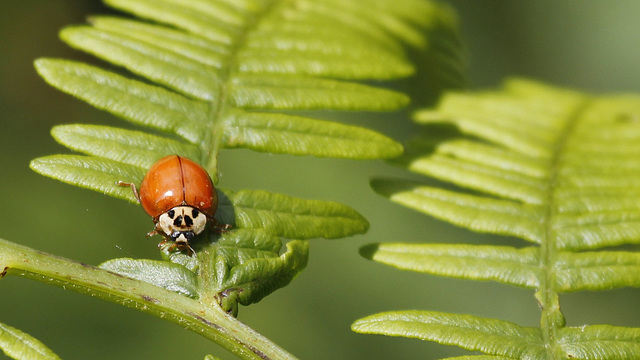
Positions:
(180, 197)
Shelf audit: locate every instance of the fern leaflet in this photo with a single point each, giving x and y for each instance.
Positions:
(20, 345)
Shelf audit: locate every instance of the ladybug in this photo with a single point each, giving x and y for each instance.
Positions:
(180, 197)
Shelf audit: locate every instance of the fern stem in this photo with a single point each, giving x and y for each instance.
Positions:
(552, 318)
(207, 320)
(219, 109)
(209, 275)
(212, 142)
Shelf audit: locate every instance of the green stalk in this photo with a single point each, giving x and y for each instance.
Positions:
(552, 319)
(208, 320)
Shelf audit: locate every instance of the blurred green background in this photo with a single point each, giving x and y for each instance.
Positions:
(585, 44)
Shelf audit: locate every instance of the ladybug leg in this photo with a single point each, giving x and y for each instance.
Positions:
(219, 228)
(132, 186)
(162, 243)
(154, 232)
(172, 247)
(222, 228)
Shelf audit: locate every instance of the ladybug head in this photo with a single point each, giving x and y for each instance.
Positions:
(181, 224)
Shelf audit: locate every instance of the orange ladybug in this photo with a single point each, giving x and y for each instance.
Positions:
(180, 197)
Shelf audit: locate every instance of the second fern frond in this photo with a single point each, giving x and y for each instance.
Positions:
(554, 167)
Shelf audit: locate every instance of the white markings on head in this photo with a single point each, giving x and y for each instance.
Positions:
(181, 223)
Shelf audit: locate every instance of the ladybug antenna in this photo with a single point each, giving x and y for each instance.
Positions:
(190, 251)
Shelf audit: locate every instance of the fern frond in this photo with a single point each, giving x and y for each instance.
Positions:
(220, 74)
(554, 167)
(209, 75)
(568, 119)
(20, 345)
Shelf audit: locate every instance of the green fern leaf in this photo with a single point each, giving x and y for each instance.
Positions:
(292, 217)
(293, 92)
(520, 267)
(90, 173)
(505, 264)
(125, 146)
(550, 166)
(20, 345)
(597, 270)
(601, 342)
(164, 274)
(494, 337)
(211, 357)
(479, 213)
(297, 135)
